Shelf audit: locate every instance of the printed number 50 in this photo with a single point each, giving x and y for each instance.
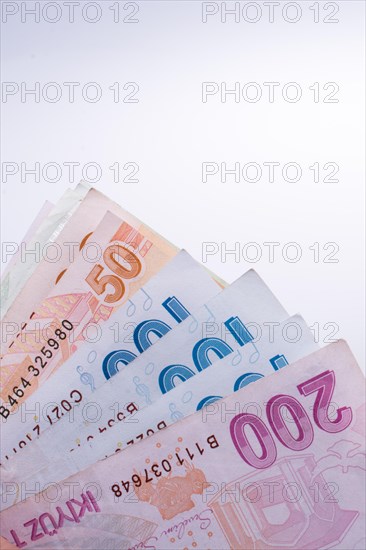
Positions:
(99, 284)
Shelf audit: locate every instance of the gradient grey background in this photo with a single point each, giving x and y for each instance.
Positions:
(170, 132)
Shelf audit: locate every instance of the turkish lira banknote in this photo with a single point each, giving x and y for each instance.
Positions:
(166, 300)
(288, 474)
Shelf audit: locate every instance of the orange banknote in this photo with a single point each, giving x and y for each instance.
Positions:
(54, 257)
(115, 261)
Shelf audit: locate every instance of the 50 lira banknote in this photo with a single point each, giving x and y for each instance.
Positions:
(118, 261)
(69, 238)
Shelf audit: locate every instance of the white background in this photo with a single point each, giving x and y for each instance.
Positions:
(170, 132)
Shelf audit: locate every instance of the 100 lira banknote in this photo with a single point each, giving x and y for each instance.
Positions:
(168, 298)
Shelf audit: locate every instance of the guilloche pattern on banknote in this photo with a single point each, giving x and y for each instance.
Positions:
(286, 474)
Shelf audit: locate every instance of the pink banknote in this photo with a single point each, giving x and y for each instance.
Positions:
(279, 464)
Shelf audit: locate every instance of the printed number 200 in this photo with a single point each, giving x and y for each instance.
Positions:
(323, 385)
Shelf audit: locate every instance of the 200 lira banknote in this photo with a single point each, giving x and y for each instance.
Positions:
(285, 475)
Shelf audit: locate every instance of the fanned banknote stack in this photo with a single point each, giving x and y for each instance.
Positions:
(147, 404)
